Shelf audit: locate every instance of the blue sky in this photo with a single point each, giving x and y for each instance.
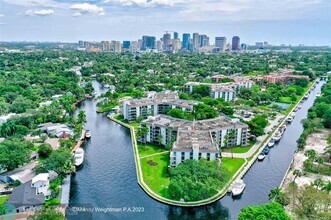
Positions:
(276, 21)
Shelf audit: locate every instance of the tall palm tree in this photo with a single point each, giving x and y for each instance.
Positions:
(274, 193)
(296, 173)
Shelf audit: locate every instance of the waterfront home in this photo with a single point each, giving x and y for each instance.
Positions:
(31, 195)
(58, 130)
(195, 139)
(154, 104)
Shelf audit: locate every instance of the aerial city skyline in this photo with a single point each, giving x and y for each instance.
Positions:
(300, 22)
(170, 42)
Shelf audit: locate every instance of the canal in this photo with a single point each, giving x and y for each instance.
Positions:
(106, 184)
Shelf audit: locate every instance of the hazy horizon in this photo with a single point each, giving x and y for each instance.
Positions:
(277, 22)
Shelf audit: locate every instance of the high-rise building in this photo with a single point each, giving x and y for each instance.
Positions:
(126, 44)
(220, 42)
(133, 47)
(195, 41)
(235, 43)
(203, 40)
(86, 44)
(116, 46)
(175, 35)
(259, 44)
(148, 43)
(167, 42)
(176, 45)
(186, 41)
(105, 46)
(159, 45)
(139, 44)
(243, 46)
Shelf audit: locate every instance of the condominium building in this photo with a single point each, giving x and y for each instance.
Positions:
(227, 91)
(154, 104)
(195, 139)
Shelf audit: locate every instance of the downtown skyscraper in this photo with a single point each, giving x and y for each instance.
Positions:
(220, 42)
(186, 41)
(235, 43)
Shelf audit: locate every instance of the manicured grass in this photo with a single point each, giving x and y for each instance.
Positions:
(285, 99)
(237, 150)
(149, 149)
(52, 202)
(156, 176)
(3, 199)
(241, 149)
(233, 165)
(106, 108)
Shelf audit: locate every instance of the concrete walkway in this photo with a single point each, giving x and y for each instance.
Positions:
(259, 141)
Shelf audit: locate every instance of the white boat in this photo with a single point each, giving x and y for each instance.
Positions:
(79, 156)
(261, 157)
(289, 119)
(271, 143)
(306, 96)
(282, 128)
(277, 136)
(238, 187)
(299, 106)
(318, 94)
(88, 134)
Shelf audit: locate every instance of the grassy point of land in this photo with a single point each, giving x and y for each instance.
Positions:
(239, 149)
(232, 165)
(154, 169)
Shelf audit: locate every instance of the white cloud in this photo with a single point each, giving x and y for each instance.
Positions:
(42, 12)
(85, 8)
(2, 15)
(147, 3)
(77, 14)
(37, 3)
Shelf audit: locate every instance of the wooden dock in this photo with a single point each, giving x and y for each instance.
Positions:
(80, 142)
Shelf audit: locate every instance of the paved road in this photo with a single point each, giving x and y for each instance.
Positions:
(259, 140)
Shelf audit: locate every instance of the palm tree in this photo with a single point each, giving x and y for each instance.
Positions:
(81, 118)
(274, 193)
(327, 187)
(296, 173)
(320, 161)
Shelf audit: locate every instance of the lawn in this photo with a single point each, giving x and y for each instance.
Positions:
(149, 149)
(233, 165)
(285, 99)
(239, 150)
(106, 108)
(155, 176)
(3, 199)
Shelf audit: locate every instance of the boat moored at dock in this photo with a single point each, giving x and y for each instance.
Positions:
(271, 143)
(88, 134)
(261, 156)
(79, 156)
(238, 187)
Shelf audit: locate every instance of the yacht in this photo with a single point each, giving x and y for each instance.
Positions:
(271, 143)
(306, 96)
(282, 128)
(88, 134)
(261, 156)
(238, 187)
(79, 156)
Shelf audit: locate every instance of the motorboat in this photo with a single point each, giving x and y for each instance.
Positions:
(271, 143)
(282, 128)
(238, 187)
(296, 109)
(289, 119)
(277, 136)
(299, 106)
(261, 156)
(79, 156)
(88, 134)
(318, 94)
(306, 96)
(266, 150)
